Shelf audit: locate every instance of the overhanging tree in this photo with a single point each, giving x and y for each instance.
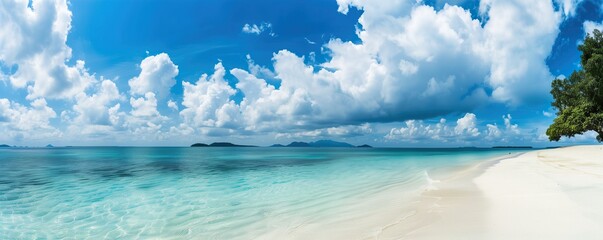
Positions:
(579, 98)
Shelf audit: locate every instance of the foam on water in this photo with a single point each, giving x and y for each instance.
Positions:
(206, 193)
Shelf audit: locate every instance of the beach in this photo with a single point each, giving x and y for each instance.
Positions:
(541, 194)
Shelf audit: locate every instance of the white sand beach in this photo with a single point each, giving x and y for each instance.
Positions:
(542, 194)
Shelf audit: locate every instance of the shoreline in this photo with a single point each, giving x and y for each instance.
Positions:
(396, 212)
(438, 206)
(540, 194)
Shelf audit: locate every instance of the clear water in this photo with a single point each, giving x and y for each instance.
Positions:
(200, 193)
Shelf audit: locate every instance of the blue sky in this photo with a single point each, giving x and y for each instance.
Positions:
(387, 73)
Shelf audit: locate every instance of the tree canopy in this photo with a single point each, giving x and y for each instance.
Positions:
(579, 98)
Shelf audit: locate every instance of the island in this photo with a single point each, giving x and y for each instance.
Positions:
(4, 146)
(322, 143)
(319, 144)
(220, 144)
(298, 144)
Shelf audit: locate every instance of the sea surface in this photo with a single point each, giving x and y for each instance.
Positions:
(208, 193)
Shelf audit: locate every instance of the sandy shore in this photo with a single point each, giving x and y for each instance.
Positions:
(543, 194)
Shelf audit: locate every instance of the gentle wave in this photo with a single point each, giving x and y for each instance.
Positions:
(175, 193)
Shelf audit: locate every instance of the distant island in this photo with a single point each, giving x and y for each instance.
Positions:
(321, 143)
(4, 146)
(512, 147)
(220, 144)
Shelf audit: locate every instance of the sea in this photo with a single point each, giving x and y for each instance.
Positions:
(215, 192)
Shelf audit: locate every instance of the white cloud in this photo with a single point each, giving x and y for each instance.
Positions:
(309, 41)
(145, 122)
(207, 103)
(258, 29)
(157, 75)
(388, 77)
(518, 70)
(172, 104)
(510, 134)
(412, 62)
(410, 56)
(332, 132)
(95, 116)
(21, 122)
(465, 130)
(512, 128)
(259, 71)
(568, 7)
(416, 130)
(94, 109)
(590, 26)
(144, 106)
(466, 125)
(419, 42)
(549, 112)
(492, 132)
(34, 40)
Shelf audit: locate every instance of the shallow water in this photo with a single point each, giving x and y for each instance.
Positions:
(203, 193)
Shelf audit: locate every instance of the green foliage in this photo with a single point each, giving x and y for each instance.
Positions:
(579, 98)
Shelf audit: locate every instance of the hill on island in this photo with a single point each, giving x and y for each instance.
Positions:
(4, 146)
(364, 146)
(321, 143)
(220, 144)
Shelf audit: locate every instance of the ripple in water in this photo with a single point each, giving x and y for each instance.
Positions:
(204, 193)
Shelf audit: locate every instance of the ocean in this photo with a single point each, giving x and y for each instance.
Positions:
(215, 193)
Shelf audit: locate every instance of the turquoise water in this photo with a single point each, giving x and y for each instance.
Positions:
(202, 193)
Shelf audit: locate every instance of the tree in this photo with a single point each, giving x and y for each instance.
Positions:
(579, 98)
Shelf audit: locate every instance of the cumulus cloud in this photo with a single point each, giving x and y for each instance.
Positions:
(145, 106)
(411, 62)
(23, 122)
(33, 40)
(466, 126)
(172, 104)
(157, 75)
(410, 56)
(465, 130)
(518, 72)
(590, 26)
(258, 29)
(94, 109)
(416, 130)
(99, 115)
(207, 103)
(95, 114)
(338, 132)
(510, 133)
(144, 120)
